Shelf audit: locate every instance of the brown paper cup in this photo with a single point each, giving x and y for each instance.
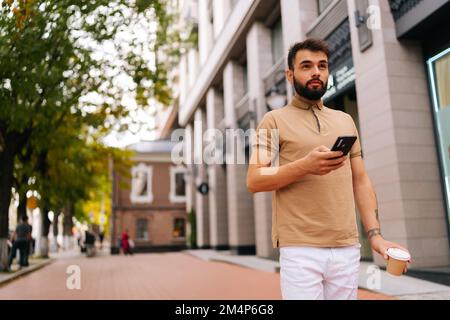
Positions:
(396, 267)
(397, 261)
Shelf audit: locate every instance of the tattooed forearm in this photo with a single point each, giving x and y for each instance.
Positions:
(376, 210)
(373, 232)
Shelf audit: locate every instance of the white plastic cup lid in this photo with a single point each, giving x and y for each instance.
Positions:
(398, 254)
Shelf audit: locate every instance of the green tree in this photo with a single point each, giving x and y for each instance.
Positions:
(54, 66)
(75, 171)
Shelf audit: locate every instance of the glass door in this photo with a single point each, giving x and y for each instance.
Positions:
(439, 77)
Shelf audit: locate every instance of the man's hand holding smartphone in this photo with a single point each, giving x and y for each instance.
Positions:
(322, 160)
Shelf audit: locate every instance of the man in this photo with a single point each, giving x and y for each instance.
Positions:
(313, 218)
(89, 242)
(21, 240)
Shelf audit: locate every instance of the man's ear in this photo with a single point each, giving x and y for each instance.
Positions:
(290, 76)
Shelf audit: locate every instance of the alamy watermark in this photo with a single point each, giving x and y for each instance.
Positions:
(73, 281)
(373, 17)
(373, 281)
(233, 146)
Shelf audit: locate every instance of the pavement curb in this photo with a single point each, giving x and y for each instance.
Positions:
(229, 260)
(396, 288)
(9, 278)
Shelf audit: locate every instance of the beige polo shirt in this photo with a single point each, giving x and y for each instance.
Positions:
(317, 211)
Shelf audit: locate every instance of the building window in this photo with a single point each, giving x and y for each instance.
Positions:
(141, 184)
(439, 75)
(179, 228)
(142, 229)
(177, 184)
(277, 41)
(323, 4)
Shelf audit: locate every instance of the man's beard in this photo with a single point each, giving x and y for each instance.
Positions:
(310, 94)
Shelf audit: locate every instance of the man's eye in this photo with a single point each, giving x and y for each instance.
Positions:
(305, 67)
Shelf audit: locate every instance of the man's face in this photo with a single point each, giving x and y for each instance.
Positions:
(310, 74)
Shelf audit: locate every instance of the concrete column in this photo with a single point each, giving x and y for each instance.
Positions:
(218, 212)
(183, 79)
(192, 60)
(398, 140)
(221, 9)
(201, 201)
(205, 31)
(189, 160)
(241, 222)
(190, 178)
(297, 17)
(233, 91)
(259, 59)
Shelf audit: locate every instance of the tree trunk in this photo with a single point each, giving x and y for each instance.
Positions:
(45, 231)
(22, 208)
(4, 255)
(13, 142)
(6, 183)
(68, 226)
(55, 223)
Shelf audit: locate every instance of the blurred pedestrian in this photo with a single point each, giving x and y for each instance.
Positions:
(126, 247)
(89, 242)
(20, 239)
(101, 236)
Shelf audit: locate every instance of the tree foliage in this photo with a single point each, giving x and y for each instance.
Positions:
(70, 73)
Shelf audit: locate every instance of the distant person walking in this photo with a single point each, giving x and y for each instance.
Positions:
(89, 241)
(126, 243)
(21, 241)
(101, 236)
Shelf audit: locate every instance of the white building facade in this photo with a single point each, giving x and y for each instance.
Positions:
(378, 75)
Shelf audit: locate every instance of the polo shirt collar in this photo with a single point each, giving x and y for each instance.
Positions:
(296, 102)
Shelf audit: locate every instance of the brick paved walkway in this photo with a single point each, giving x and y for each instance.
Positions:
(173, 276)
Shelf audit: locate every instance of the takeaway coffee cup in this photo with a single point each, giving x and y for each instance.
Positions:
(397, 261)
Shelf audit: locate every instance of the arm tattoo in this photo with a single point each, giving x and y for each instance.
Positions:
(376, 210)
(373, 232)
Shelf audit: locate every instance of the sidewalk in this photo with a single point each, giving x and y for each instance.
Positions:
(404, 287)
(35, 264)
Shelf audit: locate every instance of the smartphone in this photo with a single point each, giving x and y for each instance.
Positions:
(344, 144)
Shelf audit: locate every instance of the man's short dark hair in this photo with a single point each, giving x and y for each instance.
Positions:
(314, 45)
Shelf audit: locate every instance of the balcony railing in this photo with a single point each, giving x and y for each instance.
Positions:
(400, 7)
(274, 75)
(242, 107)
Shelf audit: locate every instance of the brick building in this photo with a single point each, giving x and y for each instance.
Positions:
(152, 205)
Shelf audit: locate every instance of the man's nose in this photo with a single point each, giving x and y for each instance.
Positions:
(316, 70)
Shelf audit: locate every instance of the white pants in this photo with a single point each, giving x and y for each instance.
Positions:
(309, 273)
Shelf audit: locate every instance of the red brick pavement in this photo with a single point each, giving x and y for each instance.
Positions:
(172, 276)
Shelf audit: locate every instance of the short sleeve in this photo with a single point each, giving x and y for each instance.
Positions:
(356, 149)
(265, 141)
